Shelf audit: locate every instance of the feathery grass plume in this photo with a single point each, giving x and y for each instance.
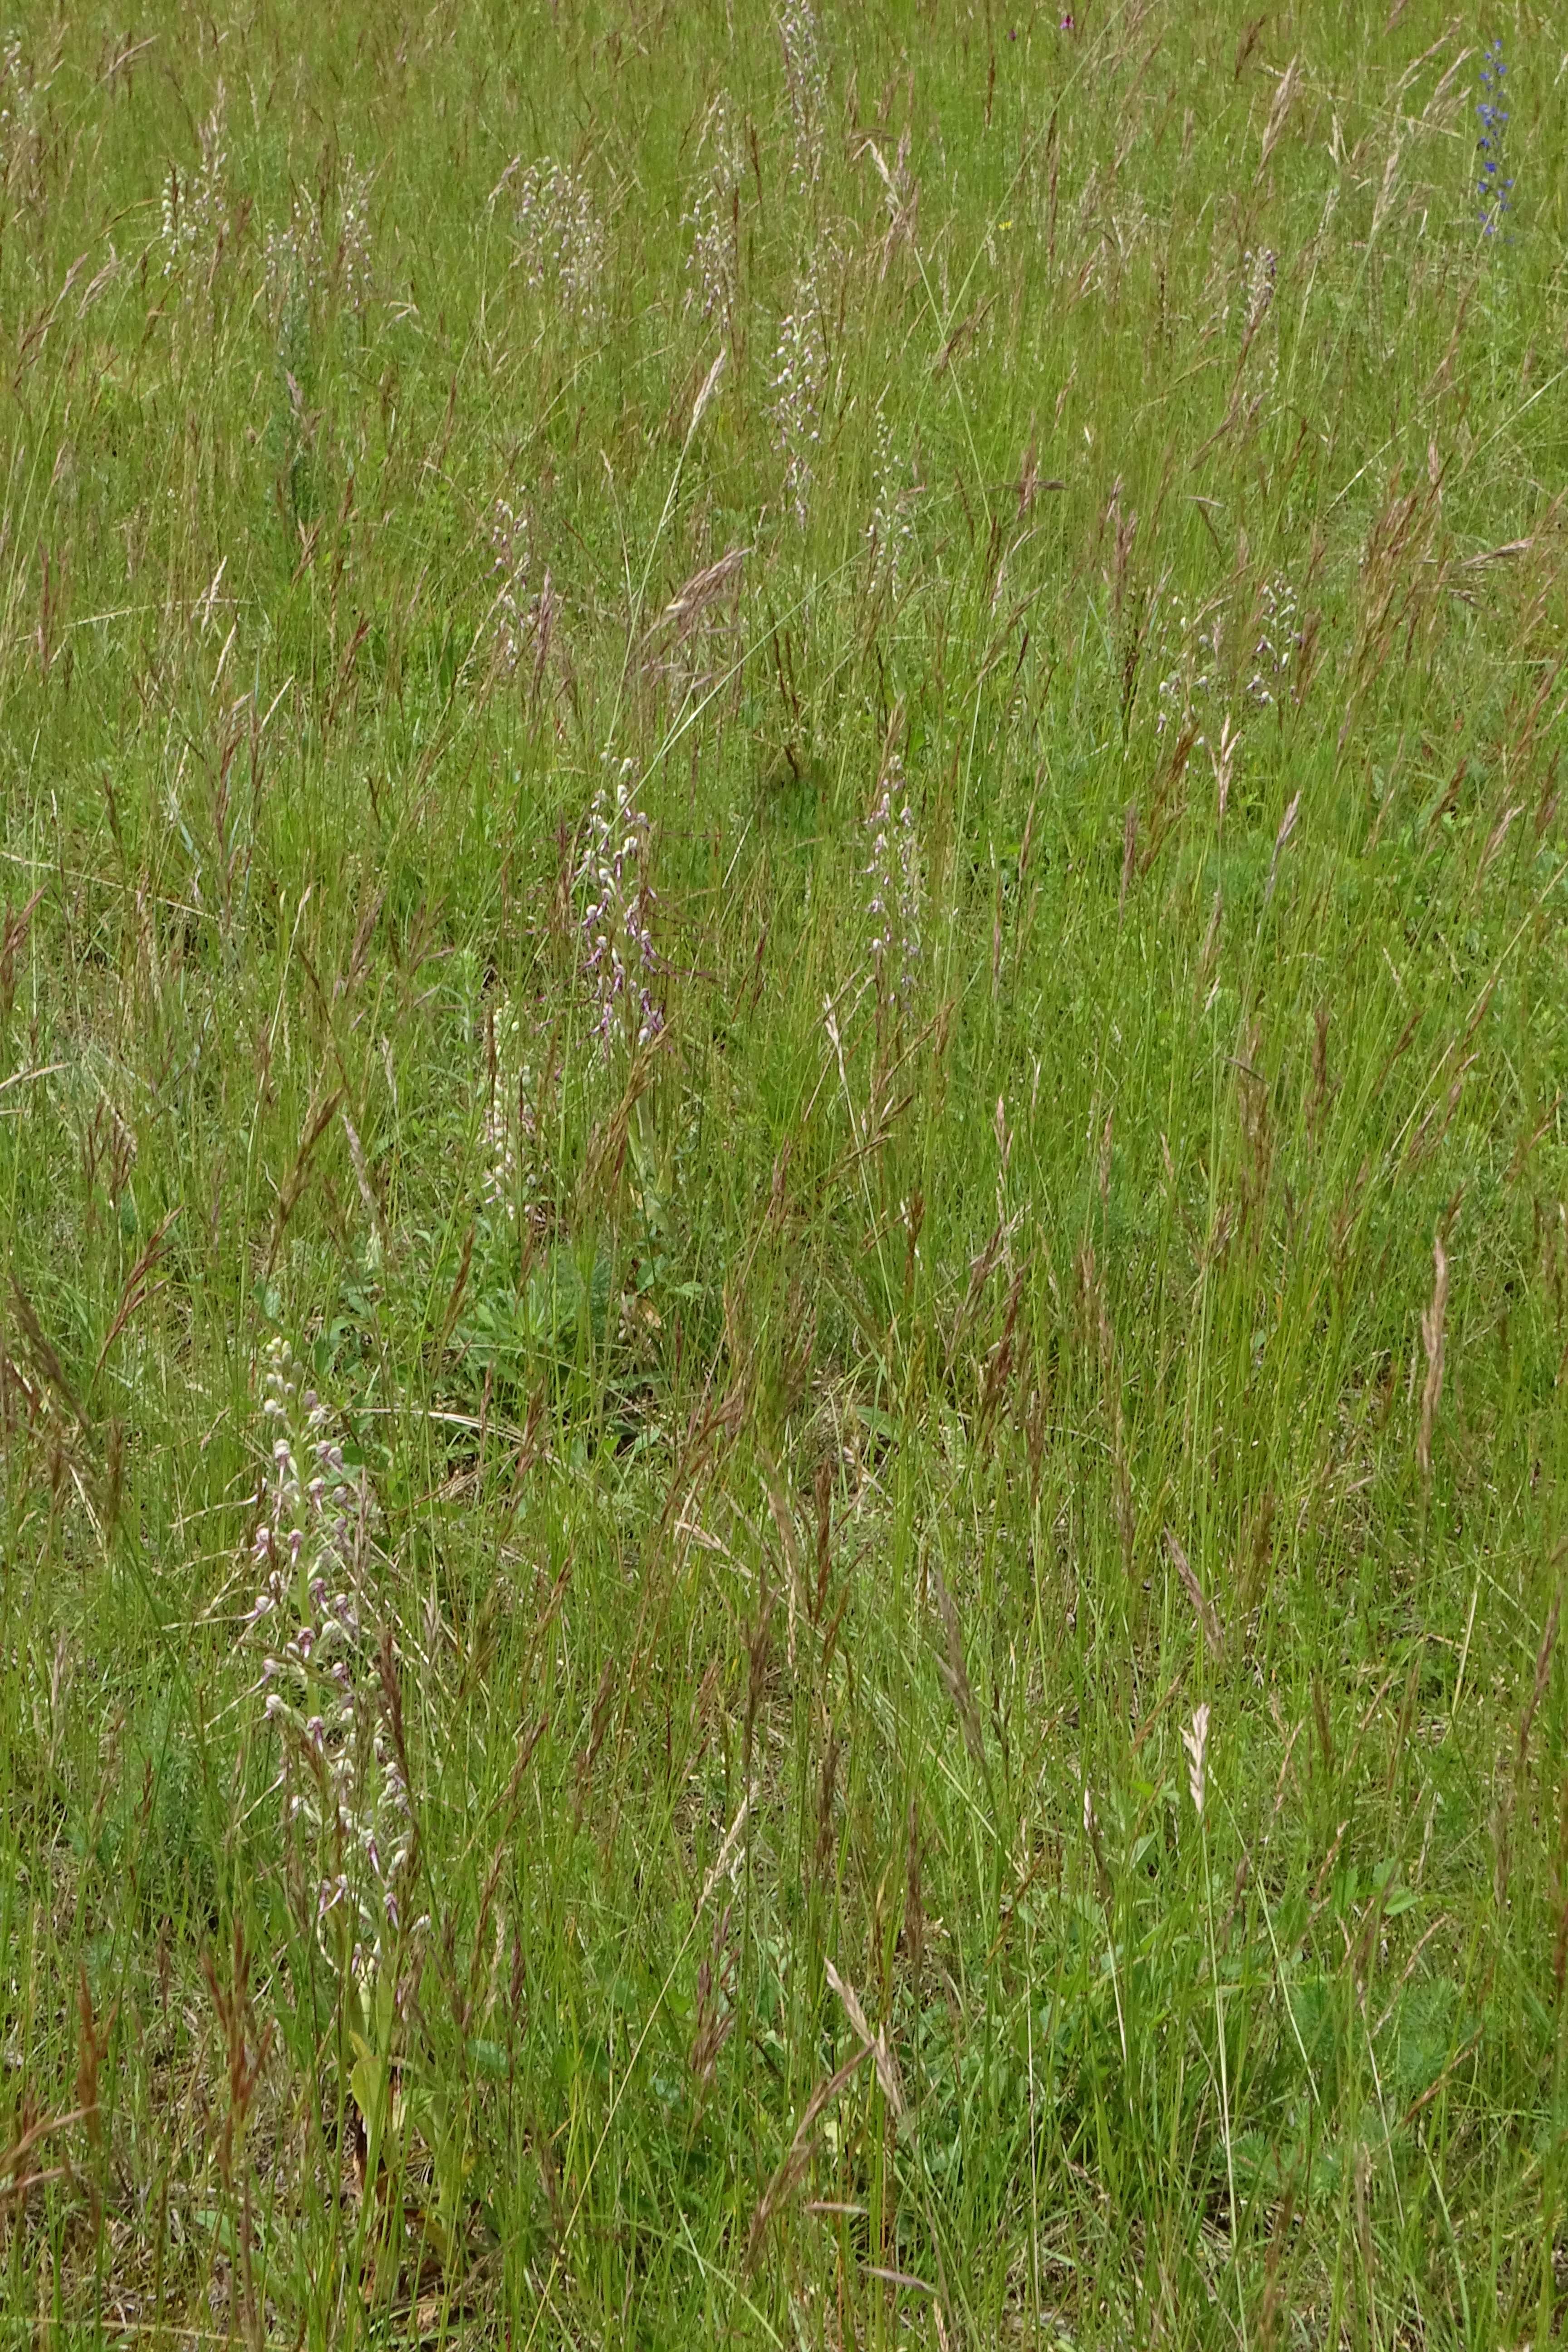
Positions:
(1195, 1740)
(1281, 839)
(1262, 269)
(902, 197)
(688, 642)
(792, 2169)
(1432, 1319)
(1204, 1608)
(1257, 367)
(715, 2019)
(511, 621)
(877, 2043)
(289, 259)
(1285, 89)
(372, 1205)
(1223, 759)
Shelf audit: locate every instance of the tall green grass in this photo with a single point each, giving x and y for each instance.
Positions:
(1019, 564)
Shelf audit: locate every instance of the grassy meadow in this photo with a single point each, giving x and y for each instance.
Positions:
(784, 1010)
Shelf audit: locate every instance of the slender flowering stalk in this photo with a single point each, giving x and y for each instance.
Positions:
(509, 1126)
(890, 536)
(897, 894)
(304, 264)
(354, 236)
(1197, 1742)
(22, 93)
(343, 1781)
(561, 246)
(800, 382)
(1279, 638)
(805, 78)
(1494, 191)
(620, 958)
(291, 260)
(715, 210)
(195, 208)
(522, 617)
(1262, 269)
(1186, 690)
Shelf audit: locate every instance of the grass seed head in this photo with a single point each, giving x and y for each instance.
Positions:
(1195, 1740)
